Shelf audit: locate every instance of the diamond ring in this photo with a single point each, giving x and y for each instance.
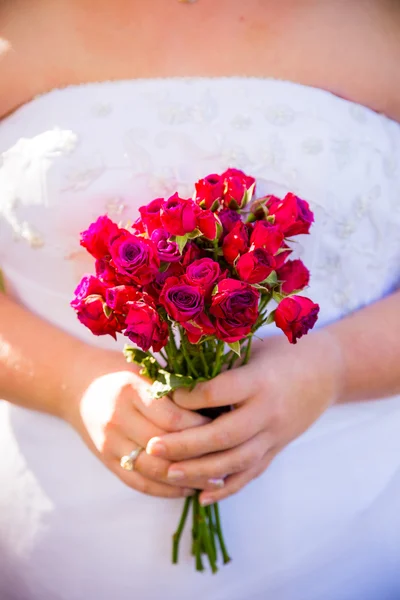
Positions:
(128, 462)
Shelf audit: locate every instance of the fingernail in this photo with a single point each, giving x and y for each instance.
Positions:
(188, 492)
(175, 474)
(217, 482)
(206, 501)
(155, 447)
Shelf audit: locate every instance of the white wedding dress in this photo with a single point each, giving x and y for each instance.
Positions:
(323, 522)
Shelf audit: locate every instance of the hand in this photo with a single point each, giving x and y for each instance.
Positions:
(277, 396)
(112, 410)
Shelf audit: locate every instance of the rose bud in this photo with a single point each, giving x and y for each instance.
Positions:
(228, 219)
(235, 306)
(292, 214)
(294, 276)
(119, 296)
(255, 266)
(182, 302)
(135, 257)
(89, 305)
(198, 327)
(203, 273)
(207, 223)
(266, 236)
(178, 216)
(209, 191)
(237, 184)
(284, 252)
(235, 243)
(167, 251)
(150, 214)
(97, 238)
(145, 328)
(296, 316)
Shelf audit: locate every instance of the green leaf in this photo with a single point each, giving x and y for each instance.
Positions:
(282, 250)
(2, 283)
(247, 196)
(181, 240)
(235, 346)
(278, 297)
(107, 310)
(163, 267)
(168, 382)
(272, 279)
(214, 206)
(150, 366)
(270, 318)
(194, 234)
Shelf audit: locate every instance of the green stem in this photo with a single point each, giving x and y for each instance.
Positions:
(205, 535)
(196, 534)
(248, 349)
(185, 353)
(211, 528)
(217, 364)
(225, 554)
(176, 538)
(204, 362)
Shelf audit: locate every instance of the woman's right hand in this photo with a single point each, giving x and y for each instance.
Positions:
(111, 408)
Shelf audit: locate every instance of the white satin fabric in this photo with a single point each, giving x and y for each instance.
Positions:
(324, 521)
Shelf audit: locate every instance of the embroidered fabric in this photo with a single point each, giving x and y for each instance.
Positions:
(304, 529)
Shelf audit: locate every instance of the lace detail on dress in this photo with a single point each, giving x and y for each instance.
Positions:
(73, 154)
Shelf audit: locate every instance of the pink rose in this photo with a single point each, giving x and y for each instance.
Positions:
(135, 257)
(145, 328)
(235, 243)
(209, 191)
(266, 236)
(235, 306)
(119, 296)
(203, 273)
(178, 216)
(207, 223)
(228, 219)
(255, 266)
(167, 251)
(90, 306)
(191, 253)
(237, 184)
(292, 214)
(155, 287)
(97, 238)
(294, 276)
(296, 316)
(182, 302)
(198, 327)
(151, 215)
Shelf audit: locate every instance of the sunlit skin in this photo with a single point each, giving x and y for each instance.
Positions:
(45, 46)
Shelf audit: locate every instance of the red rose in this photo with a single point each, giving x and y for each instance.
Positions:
(97, 238)
(178, 216)
(235, 243)
(235, 306)
(294, 276)
(255, 266)
(292, 214)
(155, 287)
(119, 296)
(237, 184)
(207, 223)
(191, 253)
(135, 257)
(281, 257)
(228, 219)
(199, 327)
(209, 191)
(182, 302)
(89, 304)
(296, 316)
(150, 214)
(167, 251)
(266, 236)
(204, 273)
(145, 328)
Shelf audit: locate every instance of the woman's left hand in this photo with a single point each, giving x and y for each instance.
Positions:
(277, 396)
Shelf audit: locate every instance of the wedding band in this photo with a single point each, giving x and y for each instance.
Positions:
(128, 462)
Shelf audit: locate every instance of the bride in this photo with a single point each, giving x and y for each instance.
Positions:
(105, 106)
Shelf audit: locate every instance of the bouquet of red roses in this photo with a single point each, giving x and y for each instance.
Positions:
(191, 280)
